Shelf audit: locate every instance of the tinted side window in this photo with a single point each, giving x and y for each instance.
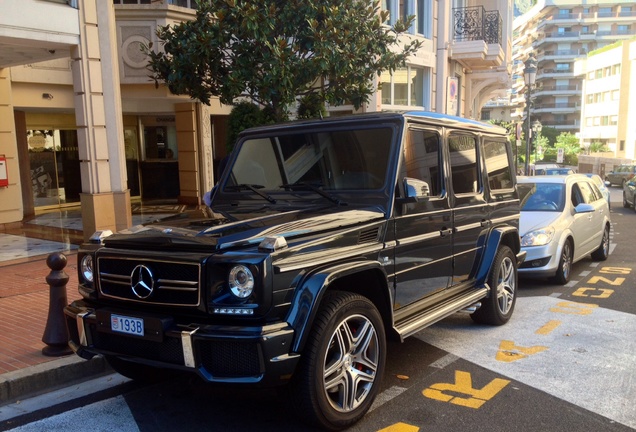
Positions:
(422, 158)
(586, 191)
(497, 165)
(463, 158)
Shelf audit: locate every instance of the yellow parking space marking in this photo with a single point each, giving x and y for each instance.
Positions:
(549, 327)
(400, 427)
(464, 385)
(509, 352)
(582, 292)
(615, 270)
(573, 308)
(616, 282)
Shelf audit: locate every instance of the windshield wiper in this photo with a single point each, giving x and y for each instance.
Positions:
(254, 188)
(314, 188)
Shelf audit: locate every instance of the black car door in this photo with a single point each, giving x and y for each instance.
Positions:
(423, 230)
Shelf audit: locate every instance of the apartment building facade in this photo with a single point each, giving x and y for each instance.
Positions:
(608, 102)
(82, 123)
(557, 33)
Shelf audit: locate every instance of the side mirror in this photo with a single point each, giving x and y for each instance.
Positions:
(415, 190)
(584, 208)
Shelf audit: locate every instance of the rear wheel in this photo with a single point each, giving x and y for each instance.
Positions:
(562, 275)
(343, 362)
(498, 307)
(602, 252)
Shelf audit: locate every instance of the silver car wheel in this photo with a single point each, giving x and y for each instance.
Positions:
(351, 363)
(506, 285)
(566, 257)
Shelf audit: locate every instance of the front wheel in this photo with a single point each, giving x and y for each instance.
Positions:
(562, 275)
(503, 281)
(342, 364)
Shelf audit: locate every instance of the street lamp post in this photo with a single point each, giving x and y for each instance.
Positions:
(536, 128)
(529, 77)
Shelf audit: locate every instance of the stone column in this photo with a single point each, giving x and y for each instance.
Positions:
(12, 194)
(105, 199)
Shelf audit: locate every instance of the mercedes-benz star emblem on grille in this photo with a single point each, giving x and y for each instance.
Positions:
(143, 283)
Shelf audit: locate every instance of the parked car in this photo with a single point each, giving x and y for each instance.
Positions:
(559, 171)
(322, 239)
(601, 186)
(620, 175)
(563, 220)
(629, 193)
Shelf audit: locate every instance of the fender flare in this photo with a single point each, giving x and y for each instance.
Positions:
(310, 288)
(490, 251)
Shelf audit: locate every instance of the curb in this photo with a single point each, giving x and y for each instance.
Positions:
(45, 377)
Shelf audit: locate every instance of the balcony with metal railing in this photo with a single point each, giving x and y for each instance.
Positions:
(477, 37)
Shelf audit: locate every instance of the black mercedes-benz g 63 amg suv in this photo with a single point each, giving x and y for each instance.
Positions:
(322, 239)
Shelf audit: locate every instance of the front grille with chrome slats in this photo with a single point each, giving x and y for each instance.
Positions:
(172, 283)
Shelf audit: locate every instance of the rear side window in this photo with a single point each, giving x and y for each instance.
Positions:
(498, 165)
(587, 192)
(422, 158)
(463, 158)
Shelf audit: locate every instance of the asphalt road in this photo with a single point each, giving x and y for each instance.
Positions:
(565, 362)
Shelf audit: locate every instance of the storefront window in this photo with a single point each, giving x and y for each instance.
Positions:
(55, 167)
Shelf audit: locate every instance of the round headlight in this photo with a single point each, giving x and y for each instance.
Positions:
(241, 281)
(86, 267)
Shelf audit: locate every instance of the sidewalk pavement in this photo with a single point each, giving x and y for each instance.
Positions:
(24, 307)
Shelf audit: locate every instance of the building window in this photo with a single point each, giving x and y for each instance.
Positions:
(624, 29)
(615, 94)
(423, 18)
(407, 86)
(485, 115)
(403, 10)
(621, 145)
(386, 5)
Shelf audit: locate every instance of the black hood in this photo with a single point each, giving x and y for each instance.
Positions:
(235, 227)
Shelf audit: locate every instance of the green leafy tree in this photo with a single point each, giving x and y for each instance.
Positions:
(571, 149)
(276, 51)
(598, 147)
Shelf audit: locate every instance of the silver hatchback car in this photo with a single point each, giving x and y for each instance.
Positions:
(563, 220)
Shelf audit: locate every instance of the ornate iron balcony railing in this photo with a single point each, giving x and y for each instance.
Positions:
(476, 23)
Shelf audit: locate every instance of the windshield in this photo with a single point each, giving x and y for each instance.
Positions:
(333, 160)
(542, 196)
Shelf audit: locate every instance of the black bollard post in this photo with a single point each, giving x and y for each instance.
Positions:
(56, 333)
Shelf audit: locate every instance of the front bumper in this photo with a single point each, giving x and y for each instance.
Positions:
(541, 260)
(249, 355)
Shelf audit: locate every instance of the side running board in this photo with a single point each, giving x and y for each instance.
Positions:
(441, 311)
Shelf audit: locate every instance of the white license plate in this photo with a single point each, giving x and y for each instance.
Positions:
(124, 324)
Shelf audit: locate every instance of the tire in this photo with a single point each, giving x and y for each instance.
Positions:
(602, 252)
(503, 281)
(137, 371)
(342, 364)
(625, 203)
(564, 271)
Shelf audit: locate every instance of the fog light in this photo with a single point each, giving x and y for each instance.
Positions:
(241, 281)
